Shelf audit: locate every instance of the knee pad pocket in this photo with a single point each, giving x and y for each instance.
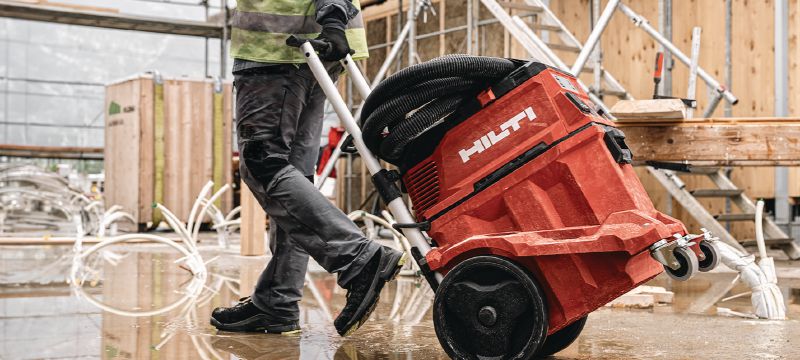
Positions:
(259, 163)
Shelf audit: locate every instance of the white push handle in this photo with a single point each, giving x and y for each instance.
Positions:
(397, 207)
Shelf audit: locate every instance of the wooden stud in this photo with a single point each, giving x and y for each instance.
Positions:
(253, 226)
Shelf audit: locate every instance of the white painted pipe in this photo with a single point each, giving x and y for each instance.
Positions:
(396, 206)
(354, 72)
(594, 37)
(762, 248)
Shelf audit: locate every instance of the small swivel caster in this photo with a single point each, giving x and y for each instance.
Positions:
(688, 264)
(679, 261)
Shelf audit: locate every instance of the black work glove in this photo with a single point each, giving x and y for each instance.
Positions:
(338, 47)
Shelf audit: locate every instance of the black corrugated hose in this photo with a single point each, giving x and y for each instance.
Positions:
(419, 97)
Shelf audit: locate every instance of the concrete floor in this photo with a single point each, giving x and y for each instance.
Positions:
(44, 318)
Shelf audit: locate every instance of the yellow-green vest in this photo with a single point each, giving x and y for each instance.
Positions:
(260, 29)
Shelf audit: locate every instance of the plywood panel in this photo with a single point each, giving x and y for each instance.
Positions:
(188, 144)
(122, 132)
(253, 227)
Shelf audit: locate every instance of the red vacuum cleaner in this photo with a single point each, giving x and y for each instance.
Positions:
(527, 212)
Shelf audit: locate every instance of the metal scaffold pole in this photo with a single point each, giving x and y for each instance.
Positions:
(412, 34)
(665, 26)
(782, 207)
(223, 42)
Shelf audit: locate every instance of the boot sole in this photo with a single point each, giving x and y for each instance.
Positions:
(376, 295)
(251, 325)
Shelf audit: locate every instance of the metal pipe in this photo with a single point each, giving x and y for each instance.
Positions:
(691, 92)
(412, 38)
(363, 89)
(728, 63)
(597, 54)
(712, 106)
(470, 22)
(223, 43)
(594, 37)
(782, 206)
(641, 22)
(360, 83)
(665, 27)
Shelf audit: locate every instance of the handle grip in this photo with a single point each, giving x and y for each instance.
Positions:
(659, 65)
(318, 45)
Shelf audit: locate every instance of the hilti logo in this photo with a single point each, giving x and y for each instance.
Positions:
(492, 138)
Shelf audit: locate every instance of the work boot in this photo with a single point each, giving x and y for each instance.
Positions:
(365, 289)
(246, 317)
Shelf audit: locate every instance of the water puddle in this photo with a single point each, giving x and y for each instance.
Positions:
(144, 306)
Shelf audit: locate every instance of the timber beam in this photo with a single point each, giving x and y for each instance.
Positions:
(106, 19)
(727, 141)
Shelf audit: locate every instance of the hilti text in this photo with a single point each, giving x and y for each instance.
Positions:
(492, 138)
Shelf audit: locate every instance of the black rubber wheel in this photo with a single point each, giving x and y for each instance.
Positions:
(712, 258)
(688, 265)
(560, 339)
(488, 307)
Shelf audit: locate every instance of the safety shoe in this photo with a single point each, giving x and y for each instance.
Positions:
(365, 289)
(246, 317)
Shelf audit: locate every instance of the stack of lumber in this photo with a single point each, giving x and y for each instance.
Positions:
(164, 140)
(653, 110)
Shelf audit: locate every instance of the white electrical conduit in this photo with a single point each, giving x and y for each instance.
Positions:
(766, 296)
(188, 248)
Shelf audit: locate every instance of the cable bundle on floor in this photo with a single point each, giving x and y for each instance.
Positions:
(419, 97)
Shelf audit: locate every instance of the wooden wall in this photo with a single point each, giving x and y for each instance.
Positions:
(629, 54)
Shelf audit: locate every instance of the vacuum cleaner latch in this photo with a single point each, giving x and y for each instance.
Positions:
(615, 140)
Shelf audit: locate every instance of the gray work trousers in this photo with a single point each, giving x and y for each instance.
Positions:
(279, 112)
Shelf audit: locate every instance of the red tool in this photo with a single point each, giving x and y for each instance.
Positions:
(657, 72)
(534, 199)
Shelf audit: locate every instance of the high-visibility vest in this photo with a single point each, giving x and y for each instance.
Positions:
(260, 29)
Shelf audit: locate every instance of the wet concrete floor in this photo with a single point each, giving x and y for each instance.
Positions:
(42, 317)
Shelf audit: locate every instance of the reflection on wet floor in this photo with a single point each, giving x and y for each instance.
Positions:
(51, 321)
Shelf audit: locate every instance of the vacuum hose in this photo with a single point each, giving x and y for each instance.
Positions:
(419, 97)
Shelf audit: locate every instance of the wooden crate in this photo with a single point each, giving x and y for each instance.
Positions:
(135, 171)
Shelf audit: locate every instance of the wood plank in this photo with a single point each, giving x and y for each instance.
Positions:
(51, 152)
(146, 167)
(227, 146)
(253, 226)
(104, 19)
(651, 110)
(722, 144)
(122, 150)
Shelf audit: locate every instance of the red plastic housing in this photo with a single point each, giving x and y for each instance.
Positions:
(531, 177)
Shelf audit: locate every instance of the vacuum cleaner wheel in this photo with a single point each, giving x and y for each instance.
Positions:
(488, 307)
(560, 339)
(688, 264)
(712, 259)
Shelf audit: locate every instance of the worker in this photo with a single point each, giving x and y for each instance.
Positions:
(279, 111)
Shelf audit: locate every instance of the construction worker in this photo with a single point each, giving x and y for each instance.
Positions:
(279, 110)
